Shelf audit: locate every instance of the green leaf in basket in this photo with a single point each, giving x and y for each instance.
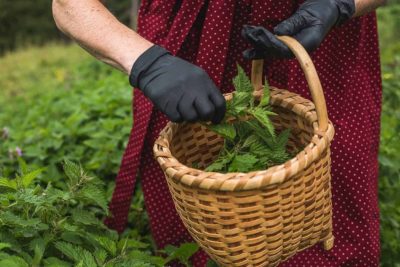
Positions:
(243, 163)
(240, 102)
(250, 140)
(241, 82)
(266, 95)
(220, 164)
(283, 138)
(262, 115)
(226, 130)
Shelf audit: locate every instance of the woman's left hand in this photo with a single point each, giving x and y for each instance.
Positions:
(309, 25)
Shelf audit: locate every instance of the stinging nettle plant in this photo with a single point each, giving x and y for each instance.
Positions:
(250, 140)
(52, 227)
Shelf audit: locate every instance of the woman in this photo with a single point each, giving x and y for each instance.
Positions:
(212, 35)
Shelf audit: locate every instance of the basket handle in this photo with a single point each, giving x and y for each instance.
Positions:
(310, 72)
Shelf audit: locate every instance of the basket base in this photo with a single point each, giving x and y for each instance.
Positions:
(328, 243)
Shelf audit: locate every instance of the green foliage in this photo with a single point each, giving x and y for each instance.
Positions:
(182, 253)
(250, 144)
(389, 157)
(81, 110)
(389, 35)
(41, 103)
(50, 226)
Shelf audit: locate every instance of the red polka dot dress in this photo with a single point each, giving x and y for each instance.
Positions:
(207, 33)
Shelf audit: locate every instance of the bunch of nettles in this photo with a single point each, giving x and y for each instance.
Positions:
(250, 140)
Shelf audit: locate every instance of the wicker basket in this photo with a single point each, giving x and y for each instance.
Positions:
(264, 217)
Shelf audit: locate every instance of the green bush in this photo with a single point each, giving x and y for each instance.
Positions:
(51, 226)
(389, 158)
(60, 103)
(65, 105)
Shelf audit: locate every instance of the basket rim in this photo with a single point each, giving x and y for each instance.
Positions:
(239, 181)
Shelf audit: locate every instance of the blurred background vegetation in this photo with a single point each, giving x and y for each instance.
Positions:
(31, 22)
(57, 102)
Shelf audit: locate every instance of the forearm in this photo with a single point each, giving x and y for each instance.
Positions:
(365, 6)
(90, 24)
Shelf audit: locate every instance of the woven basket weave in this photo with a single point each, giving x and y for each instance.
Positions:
(263, 217)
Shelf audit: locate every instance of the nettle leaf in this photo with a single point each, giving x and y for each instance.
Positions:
(283, 138)
(262, 116)
(130, 244)
(182, 253)
(229, 109)
(251, 139)
(241, 101)
(55, 262)
(28, 178)
(8, 183)
(226, 130)
(243, 163)
(100, 255)
(76, 253)
(147, 258)
(242, 130)
(71, 237)
(96, 195)
(39, 246)
(73, 171)
(29, 196)
(7, 237)
(107, 244)
(261, 133)
(241, 82)
(8, 217)
(259, 148)
(280, 156)
(220, 164)
(14, 261)
(266, 95)
(85, 217)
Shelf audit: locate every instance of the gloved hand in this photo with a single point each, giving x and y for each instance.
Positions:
(179, 89)
(309, 25)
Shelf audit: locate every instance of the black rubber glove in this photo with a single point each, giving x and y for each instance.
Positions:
(309, 25)
(179, 89)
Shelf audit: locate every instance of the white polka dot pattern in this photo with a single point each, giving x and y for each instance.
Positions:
(208, 34)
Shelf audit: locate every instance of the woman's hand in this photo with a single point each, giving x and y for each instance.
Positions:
(179, 89)
(309, 25)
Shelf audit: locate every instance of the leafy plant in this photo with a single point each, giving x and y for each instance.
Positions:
(46, 226)
(389, 156)
(69, 105)
(251, 142)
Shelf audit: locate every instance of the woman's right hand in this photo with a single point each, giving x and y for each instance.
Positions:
(179, 89)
